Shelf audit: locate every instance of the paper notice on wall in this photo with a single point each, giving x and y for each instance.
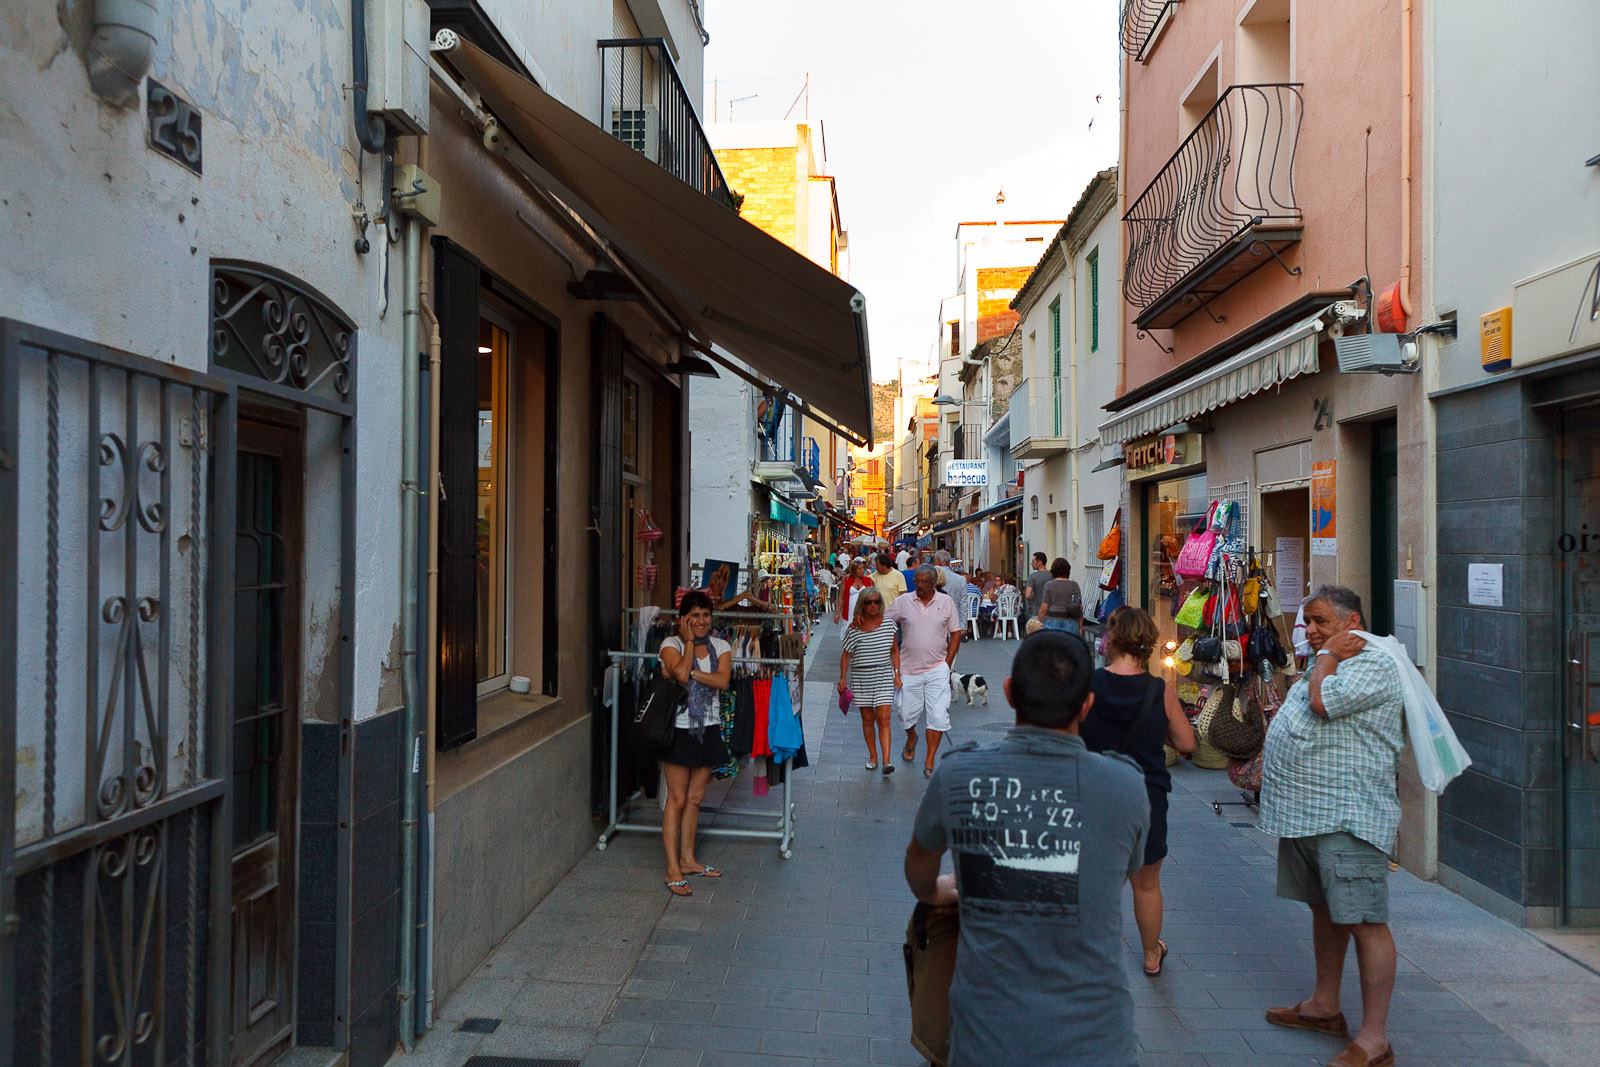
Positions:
(1485, 584)
(1324, 510)
(1290, 571)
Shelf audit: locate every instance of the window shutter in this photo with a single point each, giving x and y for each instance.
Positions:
(1094, 302)
(457, 294)
(606, 510)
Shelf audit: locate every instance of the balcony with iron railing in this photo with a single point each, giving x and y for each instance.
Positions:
(1142, 23)
(645, 106)
(1221, 207)
(1041, 418)
(811, 458)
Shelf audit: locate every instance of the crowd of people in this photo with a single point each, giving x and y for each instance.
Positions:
(1046, 824)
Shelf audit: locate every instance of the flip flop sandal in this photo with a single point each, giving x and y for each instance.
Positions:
(1159, 963)
(927, 772)
(673, 887)
(908, 754)
(706, 872)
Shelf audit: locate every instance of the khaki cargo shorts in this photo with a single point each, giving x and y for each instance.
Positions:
(1338, 871)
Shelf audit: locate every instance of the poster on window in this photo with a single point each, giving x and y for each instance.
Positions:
(722, 580)
(1324, 510)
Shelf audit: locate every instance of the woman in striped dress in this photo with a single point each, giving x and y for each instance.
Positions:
(870, 666)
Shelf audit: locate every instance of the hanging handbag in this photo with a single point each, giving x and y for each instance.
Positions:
(930, 955)
(657, 716)
(1111, 543)
(1108, 606)
(1250, 596)
(1192, 614)
(1196, 551)
(1111, 573)
(1206, 754)
(1207, 649)
(1237, 727)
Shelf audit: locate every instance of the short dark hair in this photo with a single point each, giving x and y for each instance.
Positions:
(885, 560)
(1061, 568)
(695, 598)
(1040, 558)
(1050, 677)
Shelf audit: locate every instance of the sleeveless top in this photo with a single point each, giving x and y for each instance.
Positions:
(1117, 699)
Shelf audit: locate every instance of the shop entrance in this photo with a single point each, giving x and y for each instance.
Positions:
(1285, 543)
(1578, 546)
(1171, 510)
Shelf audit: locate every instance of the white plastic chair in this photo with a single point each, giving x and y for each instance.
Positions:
(969, 608)
(1007, 613)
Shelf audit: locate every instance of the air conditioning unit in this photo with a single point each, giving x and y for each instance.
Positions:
(1377, 353)
(637, 127)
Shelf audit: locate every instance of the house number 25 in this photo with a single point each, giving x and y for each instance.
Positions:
(174, 125)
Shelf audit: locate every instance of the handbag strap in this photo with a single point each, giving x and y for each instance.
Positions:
(1152, 691)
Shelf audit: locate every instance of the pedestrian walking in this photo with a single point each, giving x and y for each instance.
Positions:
(929, 638)
(890, 582)
(1328, 794)
(870, 667)
(704, 664)
(1034, 593)
(902, 559)
(854, 580)
(1043, 832)
(1060, 604)
(1135, 714)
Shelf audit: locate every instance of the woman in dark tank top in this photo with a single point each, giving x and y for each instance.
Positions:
(1135, 713)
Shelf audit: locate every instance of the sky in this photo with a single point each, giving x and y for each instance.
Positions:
(928, 109)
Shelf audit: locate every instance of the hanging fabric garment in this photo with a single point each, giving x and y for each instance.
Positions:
(728, 705)
(763, 690)
(783, 725)
(744, 717)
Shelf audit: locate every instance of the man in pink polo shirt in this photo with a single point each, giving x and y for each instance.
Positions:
(929, 638)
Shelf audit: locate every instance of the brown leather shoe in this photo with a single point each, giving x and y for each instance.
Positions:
(1356, 1056)
(1291, 1018)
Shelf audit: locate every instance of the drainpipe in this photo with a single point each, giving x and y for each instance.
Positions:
(1122, 210)
(1405, 158)
(1072, 438)
(410, 390)
(369, 128)
(431, 671)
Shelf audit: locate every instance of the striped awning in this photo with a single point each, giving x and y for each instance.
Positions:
(1283, 356)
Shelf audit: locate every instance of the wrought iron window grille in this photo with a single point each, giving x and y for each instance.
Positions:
(268, 327)
(1234, 172)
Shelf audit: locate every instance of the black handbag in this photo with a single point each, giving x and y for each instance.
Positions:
(1208, 649)
(657, 716)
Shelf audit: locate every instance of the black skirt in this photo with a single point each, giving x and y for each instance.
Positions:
(685, 751)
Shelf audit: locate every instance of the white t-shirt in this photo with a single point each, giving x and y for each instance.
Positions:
(708, 664)
(901, 560)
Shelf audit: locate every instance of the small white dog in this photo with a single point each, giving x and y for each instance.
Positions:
(972, 686)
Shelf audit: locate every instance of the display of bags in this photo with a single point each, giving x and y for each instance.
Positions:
(1205, 753)
(1195, 555)
(1111, 543)
(657, 716)
(1111, 574)
(1237, 727)
(930, 956)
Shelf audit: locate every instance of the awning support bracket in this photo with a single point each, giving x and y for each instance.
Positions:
(1142, 335)
(1194, 298)
(1262, 248)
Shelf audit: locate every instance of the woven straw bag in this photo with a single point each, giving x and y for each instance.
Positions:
(1205, 753)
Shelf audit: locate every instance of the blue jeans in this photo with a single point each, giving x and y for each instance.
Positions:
(1070, 626)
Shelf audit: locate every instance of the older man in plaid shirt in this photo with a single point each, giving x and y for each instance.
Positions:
(1328, 793)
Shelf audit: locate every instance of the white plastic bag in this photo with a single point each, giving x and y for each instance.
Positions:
(1440, 757)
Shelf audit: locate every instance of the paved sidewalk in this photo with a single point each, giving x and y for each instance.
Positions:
(797, 963)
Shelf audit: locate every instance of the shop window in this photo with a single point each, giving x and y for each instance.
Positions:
(1171, 510)
(497, 605)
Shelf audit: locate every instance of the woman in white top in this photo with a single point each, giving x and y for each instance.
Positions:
(697, 745)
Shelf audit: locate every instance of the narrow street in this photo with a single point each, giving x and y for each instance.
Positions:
(797, 963)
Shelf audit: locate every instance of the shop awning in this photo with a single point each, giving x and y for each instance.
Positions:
(993, 511)
(1287, 354)
(728, 282)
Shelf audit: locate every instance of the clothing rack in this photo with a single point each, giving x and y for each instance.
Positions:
(781, 830)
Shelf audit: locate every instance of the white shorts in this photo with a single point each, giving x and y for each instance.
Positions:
(926, 694)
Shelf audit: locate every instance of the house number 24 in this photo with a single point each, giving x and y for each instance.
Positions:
(174, 126)
(1324, 409)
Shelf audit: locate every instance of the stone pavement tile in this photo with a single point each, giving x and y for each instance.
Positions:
(667, 971)
(670, 1057)
(718, 1058)
(625, 1033)
(784, 978)
(1172, 1059)
(767, 1018)
(895, 1004)
(1524, 1005)
(1276, 1039)
(829, 1000)
(703, 1035)
(834, 1046)
(647, 988)
(480, 998)
(1569, 1047)
(1272, 1060)
(1193, 1042)
(862, 1025)
(1240, 1019)
(443, 1046)
(570, 1003)
(665, 953)
(613, 1056)
(593, 964)
(722, 993)
(660, 1011)
(538, 1042)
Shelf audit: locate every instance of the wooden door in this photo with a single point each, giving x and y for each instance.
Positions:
(265, 730)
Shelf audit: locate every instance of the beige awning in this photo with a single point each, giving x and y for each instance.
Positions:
(1284, 355)
(730, 283)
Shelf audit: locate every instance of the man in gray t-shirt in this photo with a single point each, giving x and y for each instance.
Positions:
(1043, 833)
(1036, 580)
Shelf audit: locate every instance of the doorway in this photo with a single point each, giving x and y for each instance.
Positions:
(1385, 526)
(267, 566)
(1579, 548)
(1285, 540)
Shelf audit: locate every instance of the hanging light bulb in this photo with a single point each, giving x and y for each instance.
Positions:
(1171, 645)
(1167, 663)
